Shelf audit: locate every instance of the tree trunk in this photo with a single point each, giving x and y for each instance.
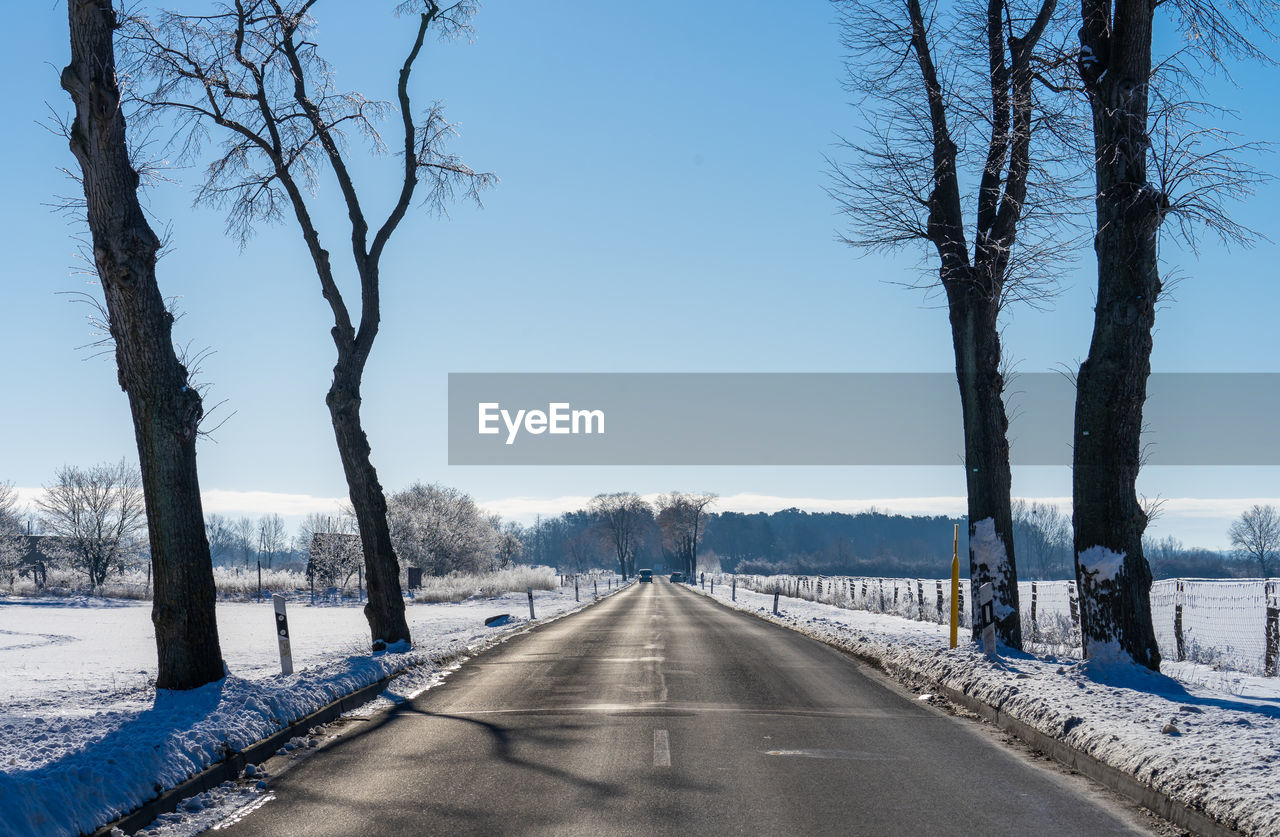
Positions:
(974, 311)
(1112, 573)
(385, 607)
(166, 409)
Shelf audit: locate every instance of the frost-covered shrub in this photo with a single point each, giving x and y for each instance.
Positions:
(456, 587)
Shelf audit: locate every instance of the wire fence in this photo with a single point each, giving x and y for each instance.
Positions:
(1228, 624)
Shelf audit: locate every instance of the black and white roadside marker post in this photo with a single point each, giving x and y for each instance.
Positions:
(987, 618)
(733, 588)
(777, 591)
(282, 634)
(595, 586)
(530, 592)
(575, 588)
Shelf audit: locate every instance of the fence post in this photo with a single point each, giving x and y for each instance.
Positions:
(1272, 602)
(1073, 603)
(939, 601)
(1035, 632)
(282, 634)
(777, 591)
(956, 603)
(259, 579)
(1177, 623)
(529, 590)
(919, 600)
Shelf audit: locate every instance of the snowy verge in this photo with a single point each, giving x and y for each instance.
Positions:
(77, 752)
(1215, 751)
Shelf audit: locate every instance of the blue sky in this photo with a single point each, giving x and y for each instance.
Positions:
(661, 208)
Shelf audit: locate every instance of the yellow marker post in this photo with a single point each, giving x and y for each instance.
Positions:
(955, 587)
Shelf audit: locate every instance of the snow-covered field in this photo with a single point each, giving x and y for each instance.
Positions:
(85, 738)
(1208, 739)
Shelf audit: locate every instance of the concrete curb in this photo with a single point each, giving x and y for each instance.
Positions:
(1112, 778)
(230, 768)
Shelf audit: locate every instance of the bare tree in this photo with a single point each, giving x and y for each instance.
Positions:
(253, 71)
(332, 547)
(166, 407)
(682, 519)
(1043, 534)
(510, 543)
(581, 549)
(244, 534)
(272, 537)
(98, 515)
(12, 543)
(1141, 178)
(1257, 535)
(953, 104)
(222, 539)
(10, 515)
(622, 518)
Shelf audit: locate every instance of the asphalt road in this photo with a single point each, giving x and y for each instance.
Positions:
(660, 712)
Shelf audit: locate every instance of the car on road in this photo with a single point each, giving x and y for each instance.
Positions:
(677, 577)
(646, 576)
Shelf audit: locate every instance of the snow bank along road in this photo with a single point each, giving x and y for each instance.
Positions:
(661, 712)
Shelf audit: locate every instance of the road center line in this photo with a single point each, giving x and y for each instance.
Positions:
(661, 748)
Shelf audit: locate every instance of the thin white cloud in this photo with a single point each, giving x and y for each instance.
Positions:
(1213, 506)
(227, 501)
(525, 509)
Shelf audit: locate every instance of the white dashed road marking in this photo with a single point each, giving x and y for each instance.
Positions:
(661, 748)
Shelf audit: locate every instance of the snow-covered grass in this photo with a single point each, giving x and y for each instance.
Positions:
(236, 583)
(1209, 739)
(63, 581)
(458, 586)
(1223, 622)
(85, 737)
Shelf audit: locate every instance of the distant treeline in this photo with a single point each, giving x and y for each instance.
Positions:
(869, 543)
